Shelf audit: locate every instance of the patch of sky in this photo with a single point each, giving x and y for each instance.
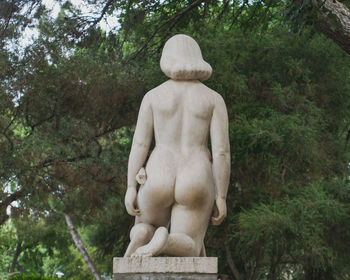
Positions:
(10, 187)
(109, 23)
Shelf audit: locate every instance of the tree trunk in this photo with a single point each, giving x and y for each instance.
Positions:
(80, 247)
(337, 30)
(231, 264)
(16, 255)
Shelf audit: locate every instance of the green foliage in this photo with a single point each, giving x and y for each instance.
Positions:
(287, 137)
(69, 100)
(30, 277)
(7, 242)
(301, 226)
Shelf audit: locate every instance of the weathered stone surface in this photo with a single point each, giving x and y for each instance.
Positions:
(180, 182)
(164, 276)
(192, 265)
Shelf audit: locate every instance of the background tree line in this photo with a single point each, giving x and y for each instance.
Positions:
(68, 104)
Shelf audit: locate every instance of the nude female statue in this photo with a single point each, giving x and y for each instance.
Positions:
(180, 184)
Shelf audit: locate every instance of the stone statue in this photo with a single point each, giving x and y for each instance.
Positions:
(181, 183)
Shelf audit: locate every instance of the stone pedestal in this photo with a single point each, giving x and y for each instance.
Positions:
(165, 268)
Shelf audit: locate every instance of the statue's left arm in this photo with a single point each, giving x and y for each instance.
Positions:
(139, 150)
(220, 144)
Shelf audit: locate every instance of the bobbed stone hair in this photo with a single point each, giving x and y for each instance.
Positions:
(182, 59)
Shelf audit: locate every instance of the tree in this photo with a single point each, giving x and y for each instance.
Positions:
(68, 103)
(332, 18)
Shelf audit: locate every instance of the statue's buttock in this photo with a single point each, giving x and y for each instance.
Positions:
(174, 177)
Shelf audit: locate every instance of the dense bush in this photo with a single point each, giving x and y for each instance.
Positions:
(31, 277)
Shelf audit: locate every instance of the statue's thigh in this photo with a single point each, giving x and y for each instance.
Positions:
(190, 222)
(194, 199)
(156, 196)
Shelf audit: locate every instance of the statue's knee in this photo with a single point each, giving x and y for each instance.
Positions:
(141, 232)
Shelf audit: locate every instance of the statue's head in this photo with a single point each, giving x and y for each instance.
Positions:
(182, 59)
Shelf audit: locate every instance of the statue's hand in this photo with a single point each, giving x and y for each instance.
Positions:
(130, 201)
(220, 205)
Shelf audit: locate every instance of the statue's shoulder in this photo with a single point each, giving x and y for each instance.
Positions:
(154, 92)
(149, 96)
(212, 94)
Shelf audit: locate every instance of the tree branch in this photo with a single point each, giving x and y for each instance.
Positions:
(224, 7)
(339, 30)
(175, 17)
(239, 12)
(16, 255)
(8, 18)
(4, 203)
(103, 12)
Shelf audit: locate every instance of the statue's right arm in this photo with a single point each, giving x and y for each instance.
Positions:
(139, 150)
(221, 156)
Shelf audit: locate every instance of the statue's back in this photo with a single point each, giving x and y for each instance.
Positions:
(182, 112)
